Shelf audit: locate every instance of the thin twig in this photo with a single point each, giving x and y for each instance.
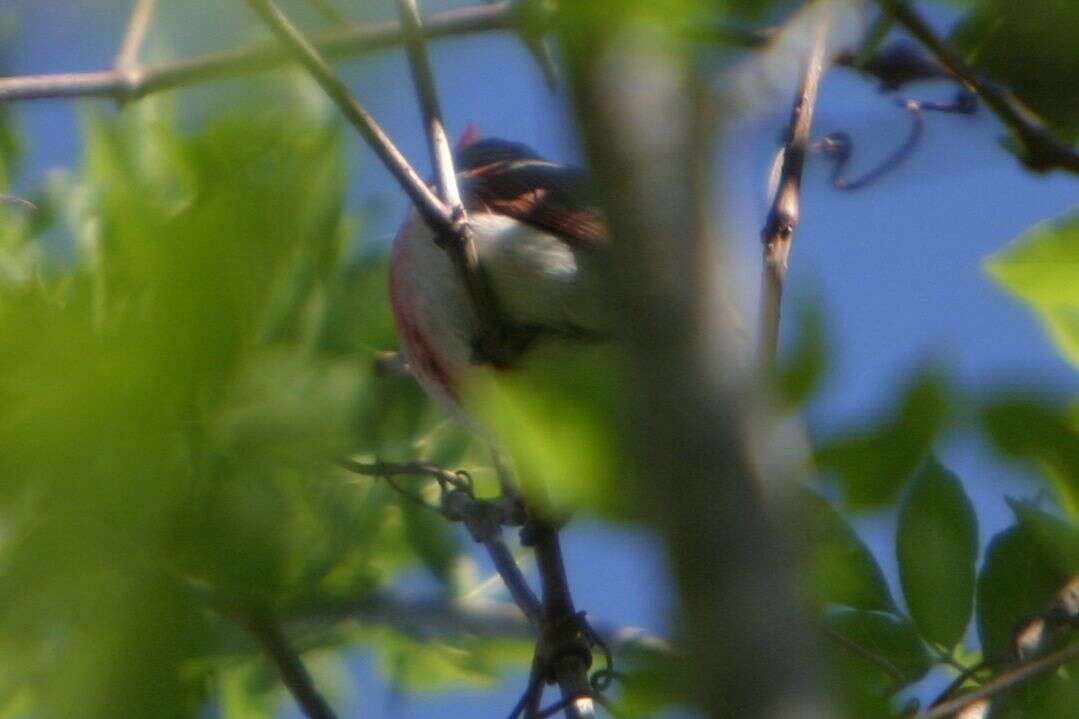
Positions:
(1044, 151)
(444, 477)
(458, 239)
(778, 233)
(433, 211)
(137, 26)
(515, 582)
(257, 57)
(267, 630)
(1006, 682)
(880, 661)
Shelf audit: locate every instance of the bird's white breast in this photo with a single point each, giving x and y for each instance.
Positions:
(537, 278)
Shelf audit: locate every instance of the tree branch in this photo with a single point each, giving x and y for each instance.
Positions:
(778, 233)
(458, 242)
(691, 432)
(1044, 151)
(1005, 682)
(433, 211)
(137, 26)
(267, 630)
(258, 57)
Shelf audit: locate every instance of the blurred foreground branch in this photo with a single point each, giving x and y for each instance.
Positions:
(748, 648)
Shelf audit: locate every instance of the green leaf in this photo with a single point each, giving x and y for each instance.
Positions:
(803, 369)
(1027, 429)
(1025, 566)
(1029, 46)
(874, 654)
(1042, 269)
(872, 464)
(838, 567)
(937, 544)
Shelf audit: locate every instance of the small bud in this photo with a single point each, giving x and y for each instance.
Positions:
(974, 710)
(1029, 639)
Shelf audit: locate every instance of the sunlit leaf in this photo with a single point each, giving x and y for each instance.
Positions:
(1042, 269)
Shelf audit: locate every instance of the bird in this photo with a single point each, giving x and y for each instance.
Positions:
(543, 244)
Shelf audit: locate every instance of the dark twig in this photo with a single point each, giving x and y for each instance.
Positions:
(267, 630)
(778, 233)
(433, 211)
(484, 520)
(564, 646)
(838, 147)
(1005, 682)
(457, 239)
(1044, 151)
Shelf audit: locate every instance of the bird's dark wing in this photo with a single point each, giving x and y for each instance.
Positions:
(510, 179)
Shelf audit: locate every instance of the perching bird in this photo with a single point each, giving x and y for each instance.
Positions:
(542, 244)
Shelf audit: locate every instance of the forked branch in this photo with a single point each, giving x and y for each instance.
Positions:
(778, 233)
(458, 239)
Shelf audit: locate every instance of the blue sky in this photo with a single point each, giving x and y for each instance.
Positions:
(897, 265)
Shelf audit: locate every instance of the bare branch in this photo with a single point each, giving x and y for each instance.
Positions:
(433, 211)
(458, 242)
(137, 26)
(258, 57)
(778, 233)
(267, 630)
(1044, 151)
(1005, 682)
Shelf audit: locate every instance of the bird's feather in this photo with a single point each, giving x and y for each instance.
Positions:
(511, 179)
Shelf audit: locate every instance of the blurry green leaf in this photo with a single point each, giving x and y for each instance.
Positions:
(1024, 428)
(936, 544)
(1042, 269)
(1057, 536)
(1022, 572)
(839, 568)
(556, 414)
(655, 681)
(873, 655)
(1030, 47)
(435, 540)
(804, 366)
(872, 464)
(11, 147)
(247, 691)
(415, 664)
